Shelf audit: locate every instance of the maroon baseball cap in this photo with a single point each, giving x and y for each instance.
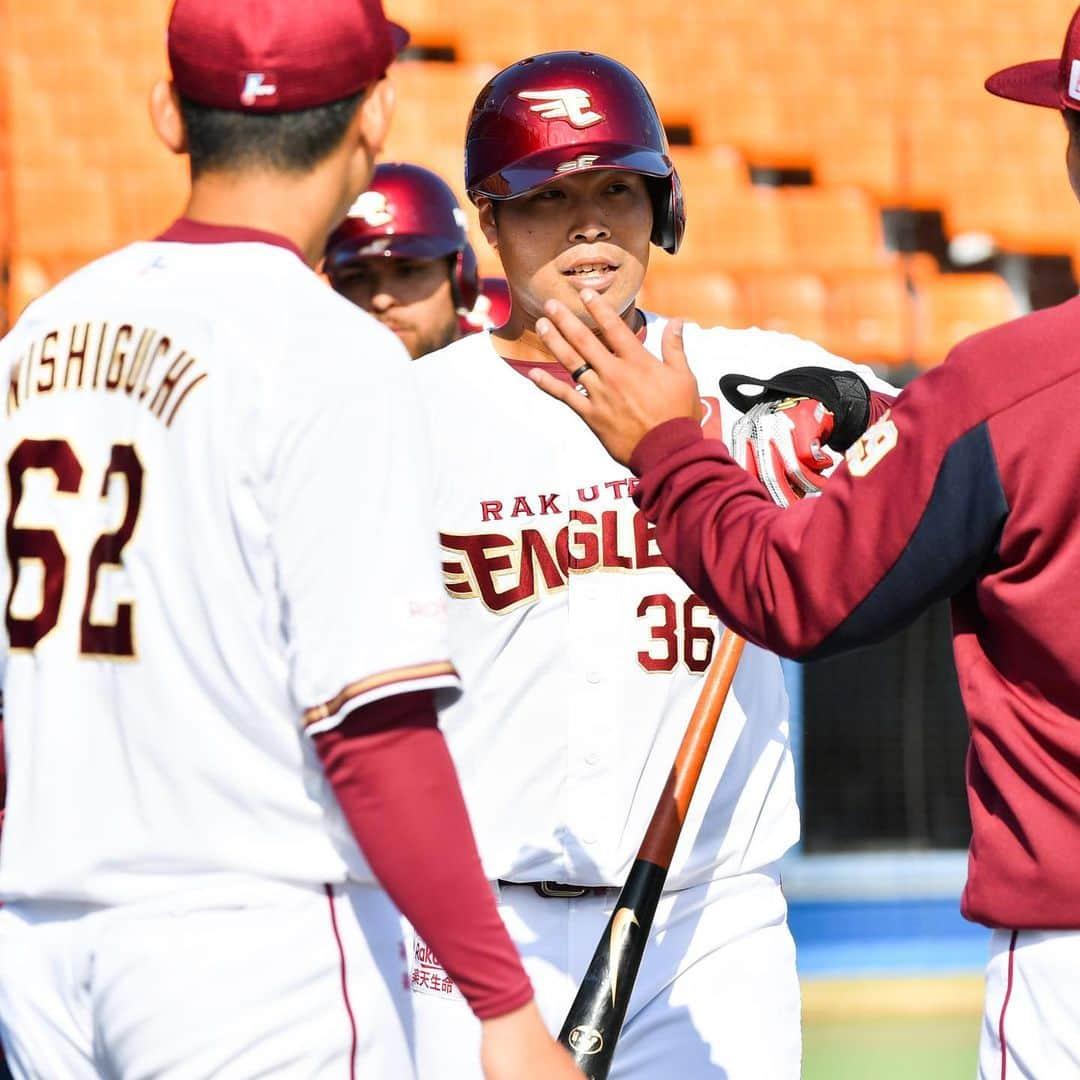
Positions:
(1054, 84)
(273, 56)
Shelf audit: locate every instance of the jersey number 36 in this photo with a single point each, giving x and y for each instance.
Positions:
(24, 544)
(676, 634)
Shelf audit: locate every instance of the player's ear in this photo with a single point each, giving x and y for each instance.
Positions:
(375, 113)
(485, 211)
(166, 117)
(366, 135)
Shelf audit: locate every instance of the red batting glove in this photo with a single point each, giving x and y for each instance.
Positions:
(782, 443)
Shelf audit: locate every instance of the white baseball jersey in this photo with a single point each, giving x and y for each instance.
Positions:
(218, 536)
(584, 653)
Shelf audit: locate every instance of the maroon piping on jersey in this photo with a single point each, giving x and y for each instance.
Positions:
(186, 231)
(1005, 1004)
(344, 980)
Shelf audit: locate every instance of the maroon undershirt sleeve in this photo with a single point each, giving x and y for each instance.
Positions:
(395, 781)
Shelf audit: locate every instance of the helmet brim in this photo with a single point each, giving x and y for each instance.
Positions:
(348, 252)
(555, 163)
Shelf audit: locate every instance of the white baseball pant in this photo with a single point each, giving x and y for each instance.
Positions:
(1031, 1021)
(716, 996)
(250, 980)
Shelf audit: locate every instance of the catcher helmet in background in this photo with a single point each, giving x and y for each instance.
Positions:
(407, 212)
(564, 112)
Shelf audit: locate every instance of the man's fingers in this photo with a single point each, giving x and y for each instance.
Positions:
(671, 346)
(555, 342)
(562, 324)
(614, 330)
(559, 390)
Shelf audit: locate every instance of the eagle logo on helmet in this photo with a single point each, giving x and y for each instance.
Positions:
(572, 105)
(372, 209)
(582, 161)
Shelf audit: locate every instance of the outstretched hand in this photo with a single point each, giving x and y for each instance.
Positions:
(627, 392)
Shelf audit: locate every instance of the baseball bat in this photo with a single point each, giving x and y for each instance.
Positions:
(595, 1019)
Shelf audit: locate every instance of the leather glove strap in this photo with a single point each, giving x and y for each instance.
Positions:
(843, 393)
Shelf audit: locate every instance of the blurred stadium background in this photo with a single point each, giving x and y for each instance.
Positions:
(847, 179)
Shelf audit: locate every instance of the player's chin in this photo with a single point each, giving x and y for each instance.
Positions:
(408, 337)
(620, 292)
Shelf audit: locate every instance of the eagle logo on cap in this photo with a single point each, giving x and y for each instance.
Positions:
(372, 209)
(257, 84)
(1074, 81)
(572, 105)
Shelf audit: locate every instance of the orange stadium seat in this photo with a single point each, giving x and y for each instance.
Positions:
(790, 301)
(857, 140)
(833, 228)
(760, 115)
(938, 155)
(710, 299)
(500, 37)
(145, 202)
(1024, 201)
(1020, 208)
(429, 23)
(58, 213)
(434, 101)
(86, 171)
(869, 315)
(791, 84)
(27, 280)
(707, 170)
(867, 155)
(683, 85)
(738, 230)
(952, 307)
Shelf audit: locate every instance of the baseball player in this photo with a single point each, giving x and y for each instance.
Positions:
(988, 517)
(402, 255)
(220, 655)
(586, 651)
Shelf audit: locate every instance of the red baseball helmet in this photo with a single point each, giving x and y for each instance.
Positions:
(565, 112)
(492, 307)
(407, 212)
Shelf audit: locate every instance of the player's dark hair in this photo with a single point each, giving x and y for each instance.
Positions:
(1072, 122)
(221, 139)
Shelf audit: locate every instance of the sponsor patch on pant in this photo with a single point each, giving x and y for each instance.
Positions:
(427, 975)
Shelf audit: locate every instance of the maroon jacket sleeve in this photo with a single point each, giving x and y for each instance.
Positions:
(917, 507)
(395, 781)
(880, 404)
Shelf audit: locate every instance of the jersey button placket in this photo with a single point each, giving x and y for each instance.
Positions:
(592, 790)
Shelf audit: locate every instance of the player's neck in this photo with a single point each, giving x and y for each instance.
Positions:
(520, 341)
(301, 209)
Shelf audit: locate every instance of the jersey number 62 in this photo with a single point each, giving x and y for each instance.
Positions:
(56, 456)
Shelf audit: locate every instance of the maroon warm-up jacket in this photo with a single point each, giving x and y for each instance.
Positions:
(969, 488)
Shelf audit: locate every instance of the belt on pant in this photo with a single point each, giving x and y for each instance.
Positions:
(558, 889)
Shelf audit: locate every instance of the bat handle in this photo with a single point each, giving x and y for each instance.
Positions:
(595, 1019)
